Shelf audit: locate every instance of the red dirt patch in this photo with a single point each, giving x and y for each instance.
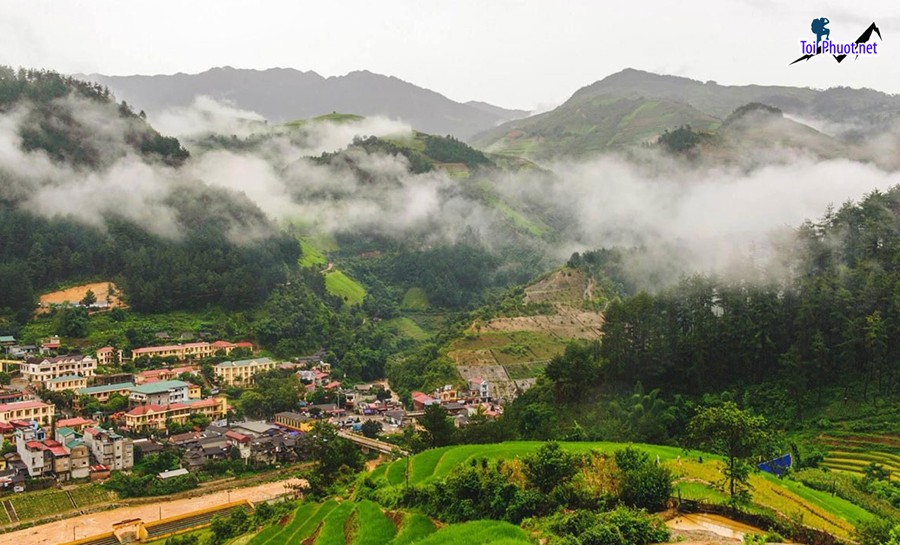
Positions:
(75, 294)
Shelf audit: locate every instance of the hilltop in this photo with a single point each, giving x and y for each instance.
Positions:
(634, 107)
(285, 94)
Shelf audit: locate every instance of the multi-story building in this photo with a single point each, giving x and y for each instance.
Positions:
(188, 351)
(109, 448)
(28, 410)
(103, 393)
(40, 370)
(156, 375)
(42, 456)
(157, 416)
(239, 373)
(79, 454)
(480, 388)
(108, 356)
(160, 393)
(67, 382)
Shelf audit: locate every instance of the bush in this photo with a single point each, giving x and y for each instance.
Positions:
(643, 484)
(621, 526)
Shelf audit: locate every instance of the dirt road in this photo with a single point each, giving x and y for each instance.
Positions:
(97, 523)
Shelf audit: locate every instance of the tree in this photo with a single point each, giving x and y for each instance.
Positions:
(72, 322)
(89, 298)
(371, 429)
(642, 483)
(727, 430)
(574, 371)
(439, 428)
(549, 467)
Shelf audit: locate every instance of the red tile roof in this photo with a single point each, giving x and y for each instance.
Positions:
(239, 437)
(22, 405)
(72, 422)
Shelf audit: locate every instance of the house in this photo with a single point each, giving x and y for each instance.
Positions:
(80, 459)
(187, 351)
(395, 417)
(241, 442)
(108, 356)
(447, 394)
(156, 375)
(156, 416)
(103, 393)
(8, 395)
(99, 472)
(421, 400)
(315, 377)
(50, 345)
(241, 372)
(147, 446)
(67, 382)
(294, 421)
(30, 451)
(28, 410)
(171, 473)
(76, 424)
(254, 428)
(160, 393)
(480, 389)
(109, 448)
(40, 370)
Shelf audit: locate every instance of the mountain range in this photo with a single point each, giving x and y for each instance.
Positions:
(634, 107)
(286, 94)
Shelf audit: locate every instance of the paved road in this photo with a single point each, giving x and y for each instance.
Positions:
(97, 523)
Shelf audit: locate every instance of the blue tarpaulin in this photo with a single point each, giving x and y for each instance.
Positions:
(778, 466)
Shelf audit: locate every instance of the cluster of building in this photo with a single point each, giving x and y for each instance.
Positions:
(79, 449)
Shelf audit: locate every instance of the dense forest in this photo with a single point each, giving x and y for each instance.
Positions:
(207, 263)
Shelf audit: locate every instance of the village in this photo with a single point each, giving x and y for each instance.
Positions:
(117, 418)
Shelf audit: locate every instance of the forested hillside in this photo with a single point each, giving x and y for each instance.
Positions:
(186, 246)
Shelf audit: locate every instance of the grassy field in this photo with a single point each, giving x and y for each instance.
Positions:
(365, 523)
(695, 480)
(371, 526)
(343, 286)
(413, 528)
(507, 348)
(479, 532)
(333, 117)
(332, 531)
(405, 327)
(310, 255)
(414, 299)
(202, 534)
(44, 503)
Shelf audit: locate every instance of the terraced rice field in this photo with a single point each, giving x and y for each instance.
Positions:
(695, 480)
(853, 452)
(365, 523)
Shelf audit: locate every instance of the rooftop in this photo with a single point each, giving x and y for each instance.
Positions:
(105, 388)
(19, 405)
(159, 387)
(243, 363)
(65, 378)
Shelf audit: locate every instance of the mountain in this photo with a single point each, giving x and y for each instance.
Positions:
(633, 107)
(285, 94)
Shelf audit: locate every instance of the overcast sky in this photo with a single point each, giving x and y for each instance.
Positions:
(516, 53)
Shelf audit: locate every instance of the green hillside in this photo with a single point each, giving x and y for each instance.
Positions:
(694, 479)
(589, 124)
(366, 523)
